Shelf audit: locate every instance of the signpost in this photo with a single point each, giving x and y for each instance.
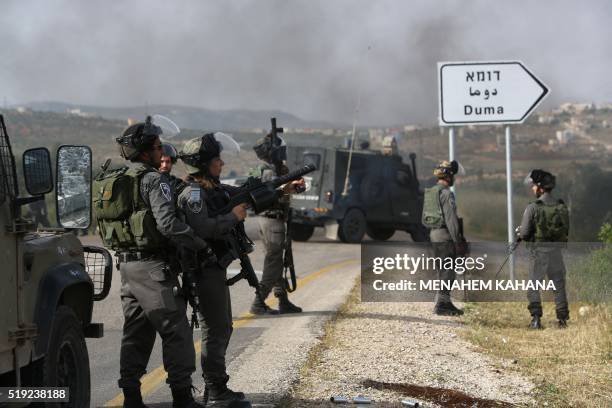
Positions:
(488, 93)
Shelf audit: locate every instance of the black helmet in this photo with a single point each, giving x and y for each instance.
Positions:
(138, 138)
(541, 178)
(170, 151)
(265, 151)
(198, 152)
(448, 168)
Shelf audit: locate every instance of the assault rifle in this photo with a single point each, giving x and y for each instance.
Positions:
(277, 155)
(260, 196)
(190, 265)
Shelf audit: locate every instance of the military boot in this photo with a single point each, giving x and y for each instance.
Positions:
(447, 309)
(217, 394)
(285, 306)
(183, 398)
(132, 398)
(259, 307)
(536, 324)
(562, 323)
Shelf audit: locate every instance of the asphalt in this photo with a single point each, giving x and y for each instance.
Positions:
(265, 353)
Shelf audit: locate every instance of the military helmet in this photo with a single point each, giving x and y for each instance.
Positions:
(170, 151)
(197, 153)
(138, 138)
(448, 168)
(541, 178)
(265, 151)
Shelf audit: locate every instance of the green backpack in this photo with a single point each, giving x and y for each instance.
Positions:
(551, 222)
(124, 222)
(432, 211)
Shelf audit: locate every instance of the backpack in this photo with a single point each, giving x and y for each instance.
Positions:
(432, 216)
(125, 222)
(551, 222)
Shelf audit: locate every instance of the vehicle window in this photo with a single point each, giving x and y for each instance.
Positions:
(312, 158)
(8, 180)
(2, 182)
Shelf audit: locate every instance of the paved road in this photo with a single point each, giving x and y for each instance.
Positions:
(327, 270)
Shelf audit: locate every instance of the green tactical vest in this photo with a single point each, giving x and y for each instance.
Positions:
(551, 222)
(433, 217)
(124, 221)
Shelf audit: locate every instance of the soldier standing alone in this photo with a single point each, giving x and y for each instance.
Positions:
(545, 226)
(272, 230)
(440, 216)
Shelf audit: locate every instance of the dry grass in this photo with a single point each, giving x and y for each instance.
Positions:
(571, 367)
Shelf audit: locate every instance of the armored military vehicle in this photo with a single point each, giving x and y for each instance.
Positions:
(380, 195)
(49, 280)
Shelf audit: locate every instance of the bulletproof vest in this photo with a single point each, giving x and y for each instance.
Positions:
(551, 222)
(433, 217)
(216, 199)
(125, 222)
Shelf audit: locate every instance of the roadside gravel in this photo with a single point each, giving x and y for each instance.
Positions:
(392, 351)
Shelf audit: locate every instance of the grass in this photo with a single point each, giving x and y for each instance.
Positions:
(569, 367)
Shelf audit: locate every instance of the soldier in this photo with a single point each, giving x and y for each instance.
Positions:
(147, 292)
(205, 193)
(168, 160)
(545, 222)
(202, 160)
(389, 146)
(440, 216)
(272, 230)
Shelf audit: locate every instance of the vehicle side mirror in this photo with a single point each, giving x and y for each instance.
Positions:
(37, 171)
(73, 187)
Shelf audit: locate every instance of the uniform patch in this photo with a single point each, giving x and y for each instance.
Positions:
(166, 191)
(195, 200)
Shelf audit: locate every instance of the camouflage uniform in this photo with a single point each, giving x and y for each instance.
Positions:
(149, 303)
(272, 230)
(544, 260)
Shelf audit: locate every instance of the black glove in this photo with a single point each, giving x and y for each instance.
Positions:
(208, 256)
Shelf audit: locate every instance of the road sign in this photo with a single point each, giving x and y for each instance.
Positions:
(487, 92)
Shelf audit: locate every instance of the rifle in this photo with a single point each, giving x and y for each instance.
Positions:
(241, 246)
(259, 195)
(288, 257)
(511, 248)
(277, 161)
(190, 265)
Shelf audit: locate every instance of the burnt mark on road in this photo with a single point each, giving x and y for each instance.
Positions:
(443, 396)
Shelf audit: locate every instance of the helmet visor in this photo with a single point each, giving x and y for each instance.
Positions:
(457, 169)
(170, 130)
(227, 143)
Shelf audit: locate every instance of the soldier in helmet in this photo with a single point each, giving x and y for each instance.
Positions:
(168, 160)
(147, 281)
(544, 226)
(202, 159)
(389, 146)
(440, 216)
(272, 230)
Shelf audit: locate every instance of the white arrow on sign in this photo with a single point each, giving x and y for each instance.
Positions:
(487, 92)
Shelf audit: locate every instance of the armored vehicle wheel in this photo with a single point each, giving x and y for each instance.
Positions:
(67, 363)
(352, 227)
(301, 232)
(379, 233)
(418, 233)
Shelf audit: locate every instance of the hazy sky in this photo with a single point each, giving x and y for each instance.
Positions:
(305, 57)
